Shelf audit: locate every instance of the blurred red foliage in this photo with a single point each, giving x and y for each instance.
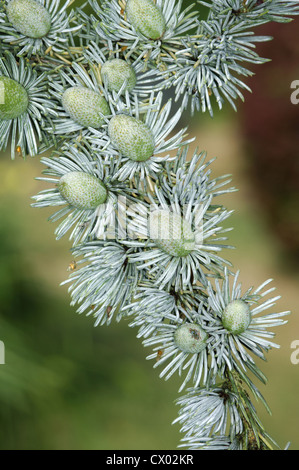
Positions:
(270, 126)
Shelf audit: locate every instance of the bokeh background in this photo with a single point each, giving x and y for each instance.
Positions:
(68, 385)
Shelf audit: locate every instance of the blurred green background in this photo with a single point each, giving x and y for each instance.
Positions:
(68, 385)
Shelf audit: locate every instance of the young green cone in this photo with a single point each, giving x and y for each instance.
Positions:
(236, 317)
(82, 190)
(117, 71)
(29, 17)
(132, 137)
(190, 338)
(171, 232)
(13, 99)
(146, 18)
(85, 106)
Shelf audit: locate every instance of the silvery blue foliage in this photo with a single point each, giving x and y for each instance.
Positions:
(53, 36)
(144, 214)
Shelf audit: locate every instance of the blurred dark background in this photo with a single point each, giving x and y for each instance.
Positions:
(68, 385)
(271, 136)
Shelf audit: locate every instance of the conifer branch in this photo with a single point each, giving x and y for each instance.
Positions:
(144, 215)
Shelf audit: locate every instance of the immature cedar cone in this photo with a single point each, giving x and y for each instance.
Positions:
(115, 72)
(236, 317)
(171, 232)
(85, 106)
(132, 137)
(82, 190)
(29, 17)
(13, 99)
(146, 18)
(190, 338)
